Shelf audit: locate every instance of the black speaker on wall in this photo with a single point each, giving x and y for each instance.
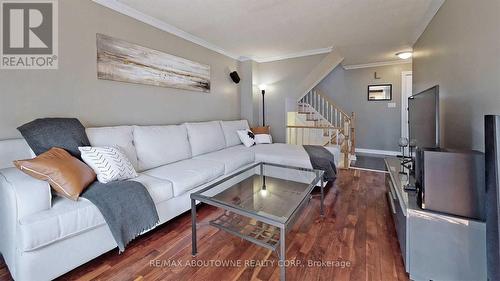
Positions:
(235, 77)
(492, 154)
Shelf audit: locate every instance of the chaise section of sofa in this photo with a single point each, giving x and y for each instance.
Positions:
(44, 237)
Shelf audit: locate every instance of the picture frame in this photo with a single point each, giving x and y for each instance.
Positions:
(380, 92)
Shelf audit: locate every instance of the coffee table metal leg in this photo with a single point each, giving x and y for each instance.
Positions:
(193, 227)
(322, 198)
(282, 255)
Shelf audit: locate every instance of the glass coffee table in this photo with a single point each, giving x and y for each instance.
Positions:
(261, 203)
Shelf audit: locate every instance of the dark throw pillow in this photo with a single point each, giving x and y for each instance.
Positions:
(46, 133)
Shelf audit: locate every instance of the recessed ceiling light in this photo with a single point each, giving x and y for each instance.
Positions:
(404, 55)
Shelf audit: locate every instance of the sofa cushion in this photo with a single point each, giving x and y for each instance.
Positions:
(66, 218)
(289, 154)
(160, 190)
(263, 139)
(121, 136)
(230, 128)
(188, 174)
(160, 145)
(205, 137)
(233, 158)
(284, 154)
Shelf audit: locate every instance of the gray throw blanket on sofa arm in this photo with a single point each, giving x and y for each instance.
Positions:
(322, 159)
(126, 207)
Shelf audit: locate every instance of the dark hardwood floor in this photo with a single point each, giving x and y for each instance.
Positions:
(357, 231)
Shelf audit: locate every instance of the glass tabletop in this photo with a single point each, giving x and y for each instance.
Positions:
(268, 190)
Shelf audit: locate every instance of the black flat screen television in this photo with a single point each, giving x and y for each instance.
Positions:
(423, 118)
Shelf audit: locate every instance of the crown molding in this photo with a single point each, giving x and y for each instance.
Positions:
(244, 58)
(375, 64)
(294, 55)
(133, 13)
(147, 19)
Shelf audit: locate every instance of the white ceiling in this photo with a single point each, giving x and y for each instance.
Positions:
(363, 31)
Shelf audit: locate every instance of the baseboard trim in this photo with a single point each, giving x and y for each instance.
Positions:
(376, 151)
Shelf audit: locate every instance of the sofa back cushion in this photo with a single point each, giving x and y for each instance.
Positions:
(230, 129)
(160, 145)
(121, 136)
(205, 137)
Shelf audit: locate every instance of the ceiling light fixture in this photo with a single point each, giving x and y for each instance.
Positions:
(404, 55)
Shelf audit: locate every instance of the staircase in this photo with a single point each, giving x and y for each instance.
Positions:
(319, 121)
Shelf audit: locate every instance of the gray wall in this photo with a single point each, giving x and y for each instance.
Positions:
(245, 71)
(283, 79)
(73, 90)
(460, 51)
(377, 126)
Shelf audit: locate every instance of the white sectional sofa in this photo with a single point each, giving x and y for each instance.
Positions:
(43, 237)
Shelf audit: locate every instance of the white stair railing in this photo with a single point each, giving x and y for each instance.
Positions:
(327, 125)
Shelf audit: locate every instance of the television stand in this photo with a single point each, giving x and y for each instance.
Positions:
(434, 246)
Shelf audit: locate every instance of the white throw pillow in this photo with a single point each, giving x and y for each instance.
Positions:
(109, 163)
(246, 137)
(263, 138)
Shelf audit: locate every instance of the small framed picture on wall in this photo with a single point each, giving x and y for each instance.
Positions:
(381, 92)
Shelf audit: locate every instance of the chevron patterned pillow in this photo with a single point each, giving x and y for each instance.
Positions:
(108, 162)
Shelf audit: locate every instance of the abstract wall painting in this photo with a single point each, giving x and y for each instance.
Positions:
(122, 61)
